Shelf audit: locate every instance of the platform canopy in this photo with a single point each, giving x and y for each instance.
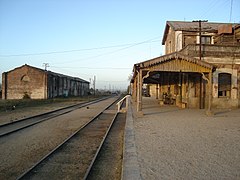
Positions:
(174, 62)
(165, 66)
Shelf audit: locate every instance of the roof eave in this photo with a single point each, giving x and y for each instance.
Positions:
(165, 33)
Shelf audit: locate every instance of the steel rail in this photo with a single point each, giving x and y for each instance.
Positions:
(27, 172)
(101, 145)
(8, 128)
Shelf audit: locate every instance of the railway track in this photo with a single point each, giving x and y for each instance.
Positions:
(75, 156)
(8, 128)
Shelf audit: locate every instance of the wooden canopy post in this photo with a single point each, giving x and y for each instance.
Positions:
(134, 92)
(139, 91)
(180, 87)
(156, 91)
(209, 110)
(161, 87)
(209, 80)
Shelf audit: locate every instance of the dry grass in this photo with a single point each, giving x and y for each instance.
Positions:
(8, 105)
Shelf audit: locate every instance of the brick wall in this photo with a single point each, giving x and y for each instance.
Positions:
(24, 81)
(39, 84)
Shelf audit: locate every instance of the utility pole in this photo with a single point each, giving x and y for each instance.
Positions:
(201, 100)
(94, 85)
(200, 37)
(46, 65)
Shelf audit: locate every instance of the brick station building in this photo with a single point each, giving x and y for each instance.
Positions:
(35, 83)
(200, 68)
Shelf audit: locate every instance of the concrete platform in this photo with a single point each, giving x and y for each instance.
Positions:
(130, 169)
(168, 142)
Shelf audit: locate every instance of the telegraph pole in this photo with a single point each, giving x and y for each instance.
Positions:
(200, 37)
(94, 85)
(46, 65)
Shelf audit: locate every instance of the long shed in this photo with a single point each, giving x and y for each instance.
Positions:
(35, 83)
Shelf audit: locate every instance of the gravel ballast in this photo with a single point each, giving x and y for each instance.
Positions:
(22, 149)
(20, 113)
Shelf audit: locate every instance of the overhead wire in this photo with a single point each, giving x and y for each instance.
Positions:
(82, 67)
(230, 18)
(79, 50)
(64, 51)
(89, 75)
(111, 52)
(210, 6)
(215, 4)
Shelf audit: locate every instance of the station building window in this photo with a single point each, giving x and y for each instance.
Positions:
(189, 39)
(224, 85)
(206, 39)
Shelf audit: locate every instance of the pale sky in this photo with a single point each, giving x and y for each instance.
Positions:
(102, 38)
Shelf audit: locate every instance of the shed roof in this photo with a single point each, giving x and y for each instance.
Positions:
(49, 72)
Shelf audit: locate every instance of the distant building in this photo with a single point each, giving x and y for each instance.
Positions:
(191, 75)
(35, 83)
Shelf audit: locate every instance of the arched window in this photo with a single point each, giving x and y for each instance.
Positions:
(25, 78)
(224, 85)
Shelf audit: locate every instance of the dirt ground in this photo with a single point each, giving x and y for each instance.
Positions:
(175, 143)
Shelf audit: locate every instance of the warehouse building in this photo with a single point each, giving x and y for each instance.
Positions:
(35, 83)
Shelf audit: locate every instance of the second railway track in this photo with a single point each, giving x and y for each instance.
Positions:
(8, 128)
(21, 150)
(73, 158)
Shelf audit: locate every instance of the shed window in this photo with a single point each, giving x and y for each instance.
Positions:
(224, 85)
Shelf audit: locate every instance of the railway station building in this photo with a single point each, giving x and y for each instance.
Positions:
(35, 83)
(200, 68)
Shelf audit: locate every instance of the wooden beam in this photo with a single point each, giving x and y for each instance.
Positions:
(209, 110)
(139, 94)
(176, 65)
(209, 80)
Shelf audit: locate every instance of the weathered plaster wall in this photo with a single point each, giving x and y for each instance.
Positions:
(170, 42)
(233, 100)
